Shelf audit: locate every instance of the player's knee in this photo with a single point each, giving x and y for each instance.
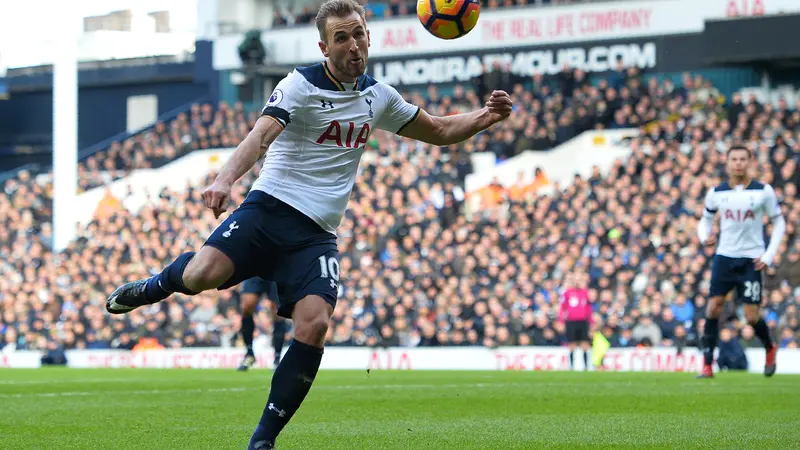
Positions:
(752, 315)
(311, 317)
(209, 269)
(714, 308)
(312, 330)
(249, 302)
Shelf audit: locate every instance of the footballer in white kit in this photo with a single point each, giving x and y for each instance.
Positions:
(741, 254)
(301, 194)
(315, 125)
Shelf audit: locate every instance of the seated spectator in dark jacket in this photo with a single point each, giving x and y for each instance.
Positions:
(388, 337)
(542, 141)
(565, 131)
(667, 323)
(54, 355)
(731, 354)
(619, 121)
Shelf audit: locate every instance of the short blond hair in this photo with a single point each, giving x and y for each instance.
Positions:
(337, 8)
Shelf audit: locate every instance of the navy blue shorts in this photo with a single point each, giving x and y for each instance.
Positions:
(258, 286)
(265, 237)
(736, 273)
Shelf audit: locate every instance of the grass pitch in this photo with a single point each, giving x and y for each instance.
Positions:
(214, 409)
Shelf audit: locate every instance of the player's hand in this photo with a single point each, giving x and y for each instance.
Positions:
(760, 265)
(711, 241)
(216, 197)
(500, 105)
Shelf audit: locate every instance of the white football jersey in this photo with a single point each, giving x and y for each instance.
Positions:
(742, 210)
(312, 164)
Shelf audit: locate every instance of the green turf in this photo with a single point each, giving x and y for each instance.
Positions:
(211, 409)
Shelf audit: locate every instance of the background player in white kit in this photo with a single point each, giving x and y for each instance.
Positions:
(315, 124)
(740, 256)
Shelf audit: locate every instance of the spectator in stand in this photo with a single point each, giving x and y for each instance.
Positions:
(54, 355)
(683, 310)
(624, 338)
(575, 314)
(731, 355)
(646, 333)
(668, 326)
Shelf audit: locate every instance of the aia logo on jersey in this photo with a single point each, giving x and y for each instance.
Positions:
(334, 133)
(739, 215)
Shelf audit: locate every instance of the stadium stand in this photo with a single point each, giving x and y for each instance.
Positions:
(420, 270)
(202, 127)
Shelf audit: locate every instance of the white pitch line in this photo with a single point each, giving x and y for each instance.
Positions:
(264, 389)
(75, 381)
(137, 392)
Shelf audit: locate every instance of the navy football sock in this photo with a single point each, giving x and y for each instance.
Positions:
(571, 360)
(169, 280)
(248, 328)
(585, 360)
(710, 334)
(762, 331)
(278, 337)
(290, 384)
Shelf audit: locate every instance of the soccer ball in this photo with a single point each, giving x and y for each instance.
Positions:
(448, 19)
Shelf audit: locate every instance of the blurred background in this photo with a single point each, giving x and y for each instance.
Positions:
(623, 112)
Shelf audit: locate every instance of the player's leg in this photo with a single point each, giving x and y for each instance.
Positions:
(279, 324)
(750, 294)
(711, 334)
(585, 345)
(307, 278)
(722, 283)
(251, 291)
(572, 347)
(753, 314)
(224, 260)
(279, 329)
(296, 372)
(190, 274)
(572, 341)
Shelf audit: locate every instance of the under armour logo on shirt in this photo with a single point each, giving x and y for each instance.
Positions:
(231, 227)
(327, 104)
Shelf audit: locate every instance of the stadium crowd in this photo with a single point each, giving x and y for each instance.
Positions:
(418, 268)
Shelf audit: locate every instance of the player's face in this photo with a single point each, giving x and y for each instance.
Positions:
(347, 47)
(738, 163)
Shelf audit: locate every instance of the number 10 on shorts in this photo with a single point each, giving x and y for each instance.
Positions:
(329, 268)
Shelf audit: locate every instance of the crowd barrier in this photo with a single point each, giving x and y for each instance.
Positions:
(443, 358)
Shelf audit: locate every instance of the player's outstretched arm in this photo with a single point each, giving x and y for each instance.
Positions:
(252, 148)
(460, 127)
